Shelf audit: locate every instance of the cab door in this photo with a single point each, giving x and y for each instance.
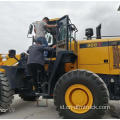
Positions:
(62, 33)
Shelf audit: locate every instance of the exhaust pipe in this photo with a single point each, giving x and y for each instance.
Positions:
(98, 32)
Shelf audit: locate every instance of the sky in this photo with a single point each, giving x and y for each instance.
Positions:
(15, 18)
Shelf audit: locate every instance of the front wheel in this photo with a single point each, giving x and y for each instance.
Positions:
(81, 94)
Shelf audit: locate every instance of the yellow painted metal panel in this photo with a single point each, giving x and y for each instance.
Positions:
(54, 19)
(95, 55)
(9, 62)
(100, 69)
(92, 58)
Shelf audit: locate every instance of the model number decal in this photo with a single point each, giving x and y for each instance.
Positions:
(99, 44)
(92, 45)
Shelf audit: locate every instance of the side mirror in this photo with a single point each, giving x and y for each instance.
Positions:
(30, 29)
(12, 53)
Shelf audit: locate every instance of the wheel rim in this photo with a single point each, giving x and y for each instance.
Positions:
(78, 98)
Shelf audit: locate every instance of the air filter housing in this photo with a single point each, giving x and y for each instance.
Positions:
(89, 33)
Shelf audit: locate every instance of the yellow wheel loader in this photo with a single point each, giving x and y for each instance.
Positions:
(80, 75)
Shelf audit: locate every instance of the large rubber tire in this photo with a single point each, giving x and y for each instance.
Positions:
(93, 82)
(28, 98)
(6, 93)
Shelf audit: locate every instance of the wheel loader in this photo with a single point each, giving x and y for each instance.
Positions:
(80, 75)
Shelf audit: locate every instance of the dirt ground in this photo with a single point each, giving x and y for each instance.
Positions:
(29, 110)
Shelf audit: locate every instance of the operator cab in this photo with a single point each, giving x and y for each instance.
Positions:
(50, 35)
(66, 32)
(62, 35)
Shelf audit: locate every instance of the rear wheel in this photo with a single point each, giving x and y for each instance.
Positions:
(81, 94)
(6, 93)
